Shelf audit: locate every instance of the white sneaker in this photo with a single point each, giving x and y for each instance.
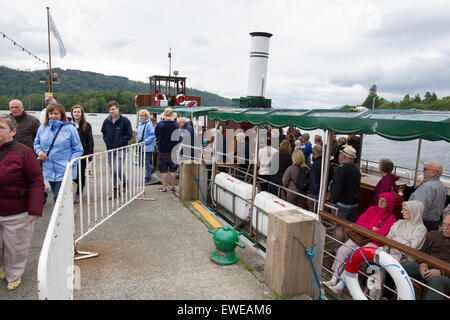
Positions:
(329, 283)
(337, 289)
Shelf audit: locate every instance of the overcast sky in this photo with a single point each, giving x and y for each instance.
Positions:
(322, 54)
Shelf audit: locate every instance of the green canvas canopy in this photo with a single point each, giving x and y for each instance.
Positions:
(398, 125)
(187, 112)
(401, 125)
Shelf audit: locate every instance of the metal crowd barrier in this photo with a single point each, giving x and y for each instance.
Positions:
(71, 222)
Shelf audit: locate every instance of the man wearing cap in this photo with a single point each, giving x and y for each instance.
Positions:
(164, 134)
(344, 188)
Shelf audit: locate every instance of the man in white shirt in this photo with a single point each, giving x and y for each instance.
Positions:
(268, 163)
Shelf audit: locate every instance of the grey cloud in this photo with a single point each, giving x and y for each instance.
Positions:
(419, 75)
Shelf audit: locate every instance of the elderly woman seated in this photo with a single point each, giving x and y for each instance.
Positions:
(409, 231)
(378, 219)
(387, 182)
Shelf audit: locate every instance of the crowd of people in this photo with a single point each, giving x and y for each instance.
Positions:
(424, 208)
(33, 151)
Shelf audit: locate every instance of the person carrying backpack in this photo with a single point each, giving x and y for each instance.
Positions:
(296, 178)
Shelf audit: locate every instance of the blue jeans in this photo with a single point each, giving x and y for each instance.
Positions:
(148, 166)
(347, 212)
(115, 160)
(55, 186)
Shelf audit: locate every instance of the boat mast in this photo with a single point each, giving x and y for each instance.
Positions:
(170, 61)
(49, 75)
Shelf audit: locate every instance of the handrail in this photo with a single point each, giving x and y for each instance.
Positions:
(443, 265)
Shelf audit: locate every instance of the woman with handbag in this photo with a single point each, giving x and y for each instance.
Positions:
(85, 132)
(56, 144)
(378, 219)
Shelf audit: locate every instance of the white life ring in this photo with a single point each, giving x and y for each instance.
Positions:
(160, 95)
(402, 281)
(182, 103)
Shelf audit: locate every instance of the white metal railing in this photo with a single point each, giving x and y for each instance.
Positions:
(71, 222)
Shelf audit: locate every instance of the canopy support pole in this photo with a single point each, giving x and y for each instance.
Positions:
(325, 169)
(255, 174)
(419, 148)
(213, 168)
(361, 137)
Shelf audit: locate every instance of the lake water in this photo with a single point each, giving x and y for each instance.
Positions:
(402, 153)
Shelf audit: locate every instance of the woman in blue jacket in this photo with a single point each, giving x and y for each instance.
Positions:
(67, 146)
(146, 133)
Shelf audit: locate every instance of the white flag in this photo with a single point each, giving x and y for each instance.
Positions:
(62, 49)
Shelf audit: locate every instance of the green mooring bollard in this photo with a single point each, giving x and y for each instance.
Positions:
(226, 239)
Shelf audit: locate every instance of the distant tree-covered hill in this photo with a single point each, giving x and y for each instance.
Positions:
(430, 101)
(83, 87)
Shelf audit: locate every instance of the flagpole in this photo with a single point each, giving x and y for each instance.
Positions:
(50, 77)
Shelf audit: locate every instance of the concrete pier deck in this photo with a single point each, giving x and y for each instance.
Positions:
(150, 250)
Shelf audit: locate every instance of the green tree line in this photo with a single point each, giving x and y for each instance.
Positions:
(88, 89)
(429, 101)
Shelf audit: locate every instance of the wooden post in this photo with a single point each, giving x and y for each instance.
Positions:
(203, 179)
(188, 186)
(287, 269)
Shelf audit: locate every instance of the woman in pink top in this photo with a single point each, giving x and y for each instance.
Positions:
(378, 219)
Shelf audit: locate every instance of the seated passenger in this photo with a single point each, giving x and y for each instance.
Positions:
(387, 182)
(433, 194)
(409, 231)
(378, 219)
(436, 244)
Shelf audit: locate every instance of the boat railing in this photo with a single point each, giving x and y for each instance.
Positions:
(71, 222)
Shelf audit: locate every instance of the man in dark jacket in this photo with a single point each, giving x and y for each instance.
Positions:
(188, 137)
(166, 143)
(344, 189)
(27, 125)
(21, 192)
(315, 175)
(116, 130)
